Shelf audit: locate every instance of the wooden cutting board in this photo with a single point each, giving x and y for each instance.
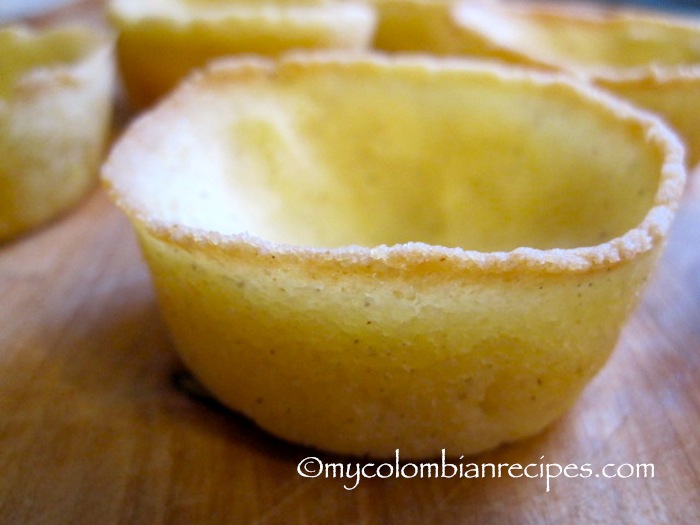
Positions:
(98, 425)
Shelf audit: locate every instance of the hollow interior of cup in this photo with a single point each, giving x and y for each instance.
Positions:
(334, 156)
(596, 40)
(23, 51)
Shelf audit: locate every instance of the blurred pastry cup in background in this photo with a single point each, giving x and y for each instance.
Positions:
(370, 253)
(160, 41)
(650, 58)
(419, 26)
(56, 88)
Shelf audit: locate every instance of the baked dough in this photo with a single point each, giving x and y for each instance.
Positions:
(160, 41)
(652, 59)
(371, 253)
(55, 107)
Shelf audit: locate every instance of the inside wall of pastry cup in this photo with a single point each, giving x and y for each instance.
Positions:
(441, 162)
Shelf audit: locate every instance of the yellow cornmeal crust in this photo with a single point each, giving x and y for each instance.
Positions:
(161, 41)
(418, 346)
(55, 108)
(422, 26)
(672, 94)
(652, 59)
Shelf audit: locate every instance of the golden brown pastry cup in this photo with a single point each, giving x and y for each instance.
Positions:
(160, 42)
(366, 254)
(55, 107)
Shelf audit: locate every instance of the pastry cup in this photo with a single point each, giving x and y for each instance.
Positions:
(651, 59)
(423, 26)
(371, 253)
(55, 108)
(160, 41)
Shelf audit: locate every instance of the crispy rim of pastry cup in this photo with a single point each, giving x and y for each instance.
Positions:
(323, 346)
(661, 83)
(55, 113)
(160, 42)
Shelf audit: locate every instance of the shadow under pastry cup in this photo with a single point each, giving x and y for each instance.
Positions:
(56, 89)
(160, 42)
(365, 254)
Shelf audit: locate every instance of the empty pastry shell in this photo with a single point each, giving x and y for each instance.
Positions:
(55, 107)
(369, 254)
(160, 41)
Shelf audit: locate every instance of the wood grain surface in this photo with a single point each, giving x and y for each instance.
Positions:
(98, 424)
